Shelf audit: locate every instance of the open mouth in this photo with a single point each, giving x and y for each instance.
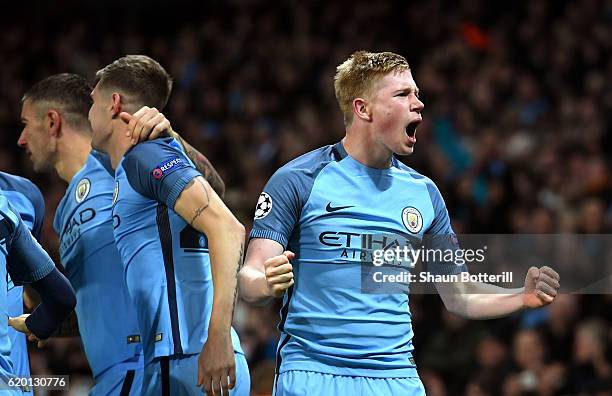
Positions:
(412, 127)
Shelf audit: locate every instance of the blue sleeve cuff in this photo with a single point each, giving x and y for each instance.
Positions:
(28, 261)
(268, 234)
(44, 270)
(58, 299)
(179, 185)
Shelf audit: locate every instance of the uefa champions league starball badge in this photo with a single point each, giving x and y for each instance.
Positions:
(264, 206)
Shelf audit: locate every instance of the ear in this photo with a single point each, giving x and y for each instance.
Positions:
(117, 105)
(361, 109)
(54, 123)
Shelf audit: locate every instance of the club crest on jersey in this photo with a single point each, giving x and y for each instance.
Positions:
(115, 193)
(264, 206)
(82, 190)
(412, 219)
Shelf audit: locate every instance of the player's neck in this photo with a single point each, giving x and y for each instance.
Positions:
(73, 150)
(361, 147)
(119, 144)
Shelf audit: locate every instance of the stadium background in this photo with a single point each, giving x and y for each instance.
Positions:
(517, 135)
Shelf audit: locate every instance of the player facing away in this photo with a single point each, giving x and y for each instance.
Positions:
(26, 262)
(29, 203)
(180, 245)
(310, 221)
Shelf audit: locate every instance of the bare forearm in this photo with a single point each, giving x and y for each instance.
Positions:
(494, 304)
(485, 301)
(226, 246)
(205, 211)
(253, 286)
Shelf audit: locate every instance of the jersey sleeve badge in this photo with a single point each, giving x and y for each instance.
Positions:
(264, 206)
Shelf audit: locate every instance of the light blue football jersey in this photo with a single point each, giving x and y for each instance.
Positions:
(106, 316)
(25, 261)
(166, 261)
(333, 212)
(29, 203)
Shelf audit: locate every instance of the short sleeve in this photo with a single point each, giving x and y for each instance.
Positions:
(279, 206)
(27, 201)
(441, 224)
(158, 170)
(440, 235)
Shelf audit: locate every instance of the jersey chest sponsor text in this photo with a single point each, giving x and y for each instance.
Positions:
(72, 229)
(363, 247)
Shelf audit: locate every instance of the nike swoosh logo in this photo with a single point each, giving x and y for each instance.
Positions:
(330, 208)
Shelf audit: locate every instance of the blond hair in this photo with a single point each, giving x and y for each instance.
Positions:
(356, 76)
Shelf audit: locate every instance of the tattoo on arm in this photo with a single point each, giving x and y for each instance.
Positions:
(240, 257)
(204, 166)
(240, 264)
(202, 208)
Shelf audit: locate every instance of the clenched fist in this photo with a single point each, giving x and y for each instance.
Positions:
(541, 286)
(279, 273)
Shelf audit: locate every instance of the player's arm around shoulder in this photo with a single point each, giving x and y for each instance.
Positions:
(149, 124)
(267, 271)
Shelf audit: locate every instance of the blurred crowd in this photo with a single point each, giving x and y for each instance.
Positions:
(516, 134)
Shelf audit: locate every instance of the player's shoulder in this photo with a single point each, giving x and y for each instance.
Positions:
(308, 165)
(151, 150)
(413, 173)
(7, 215)
(432, 188)
(311, 158)
(10, 182)
(162, 143)
(147, 154)
(101, 161)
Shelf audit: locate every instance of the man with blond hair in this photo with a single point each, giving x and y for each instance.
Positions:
(318, 224)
